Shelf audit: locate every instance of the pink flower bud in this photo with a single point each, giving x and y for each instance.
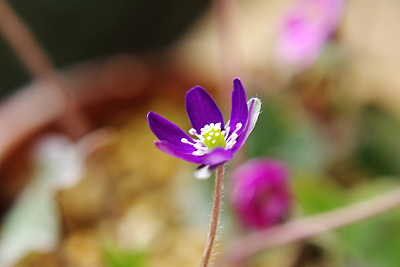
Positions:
(260, 193)
(306, 28)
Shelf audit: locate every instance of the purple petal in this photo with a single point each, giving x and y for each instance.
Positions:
(175, 151)
(218, 156)
(165, 130)
(239, 111)
(254, 105)
(202, 109)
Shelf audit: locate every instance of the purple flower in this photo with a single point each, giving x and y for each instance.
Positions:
(306, 29)
(260, 193)
(212, 143)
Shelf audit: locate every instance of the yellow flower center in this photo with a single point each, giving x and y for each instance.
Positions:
(213, 136)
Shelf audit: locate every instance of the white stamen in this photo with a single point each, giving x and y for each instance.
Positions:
(185, 141)
(193, 131)
(231, 140)
(198, 153)
(199, 146)
(230, 143)
(227, 130)
(212, 129)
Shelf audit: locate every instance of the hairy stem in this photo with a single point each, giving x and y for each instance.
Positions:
(307, 227)
(215, 215)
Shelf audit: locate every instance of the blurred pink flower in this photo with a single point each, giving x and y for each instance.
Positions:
(260, 193)
(307, 27)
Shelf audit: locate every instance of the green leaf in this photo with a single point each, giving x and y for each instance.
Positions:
(117, 257)
(33, 223)
(318, 194)
(379, 143)
(371, 242)
(283, 132)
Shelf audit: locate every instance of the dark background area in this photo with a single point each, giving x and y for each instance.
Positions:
(74, 31)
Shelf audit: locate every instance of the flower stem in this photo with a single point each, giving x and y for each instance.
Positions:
(215, 214)
(304, 228)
